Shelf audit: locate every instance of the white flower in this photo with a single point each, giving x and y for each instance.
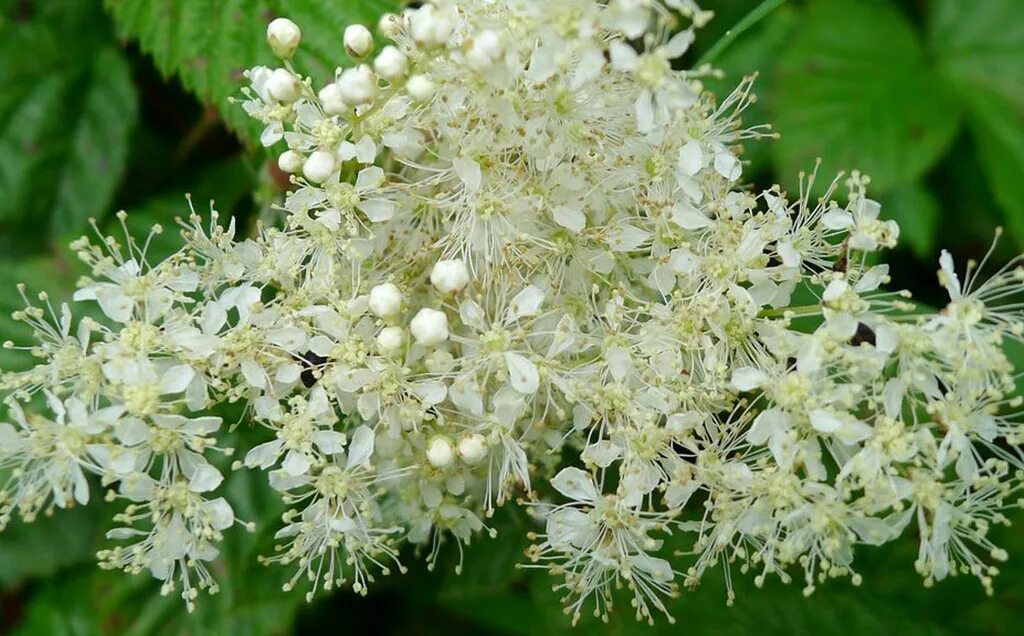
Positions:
(283, 35)
(594, 287)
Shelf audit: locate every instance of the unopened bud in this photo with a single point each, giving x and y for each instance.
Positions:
(284, 36)
(358, 41)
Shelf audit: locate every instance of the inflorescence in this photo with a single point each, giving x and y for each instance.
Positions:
(517, 264)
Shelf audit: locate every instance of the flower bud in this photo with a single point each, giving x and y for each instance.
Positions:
(439, 452)
(358, 41)
(391, 63)
(357, 85)
(429, 327)
(319, 166)
(429, 27)
(449, 276)
(420, 88)
(485, 50)
(390, 338)
(283, 35)
(332, 101)
(390, 25)
(385, 300)
(473, 448)
(284, 86)
(290, 161)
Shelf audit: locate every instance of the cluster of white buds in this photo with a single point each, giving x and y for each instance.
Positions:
(516, 264)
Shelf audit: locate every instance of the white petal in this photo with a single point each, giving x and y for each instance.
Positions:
(472, 314)
(825, 421)
(728, 166)
(644, 111)
(377, 210)
(526, 303)
(288, 373)
(571, 218)
(221, 514)
(205, 478)
(264, 455)
(288, 338)
(361, 447)
(837, 219)
(369, 178)
(679, 44)
(295, 463)
(748, 378)
(691, 158)
(688, 217)
(522, 373)
(10, 441)
(626, 237)
(329, 442)
(570, 527)
(469, 172)
(602, 453)
(253, 373)
(766, 424)
(115, 304)
(623, 55)
(575, 484)
(176, 379)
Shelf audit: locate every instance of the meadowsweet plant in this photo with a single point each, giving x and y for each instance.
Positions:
(517, 266)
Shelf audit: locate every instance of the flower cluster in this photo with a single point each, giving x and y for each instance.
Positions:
(517, 264)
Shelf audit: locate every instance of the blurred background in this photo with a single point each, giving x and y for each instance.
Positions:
(124, 104)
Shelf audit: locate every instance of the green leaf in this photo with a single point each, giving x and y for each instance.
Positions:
(998, 129)
(66, 112)
(854, 88)
(46, 546)
(917, 212)
(980, 48)
(208, 44)
(980, 45)
(99, 145)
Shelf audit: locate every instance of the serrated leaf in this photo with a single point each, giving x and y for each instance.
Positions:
(854, 88)
(917, 212)
(65, 116)
(210, 44)
(980, 48)
(998, 129)
(980, 45)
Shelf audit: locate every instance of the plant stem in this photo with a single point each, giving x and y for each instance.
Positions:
(759, 13)
(795, 312)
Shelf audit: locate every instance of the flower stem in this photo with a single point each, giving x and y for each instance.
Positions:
(795, 312)
(759, 13)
